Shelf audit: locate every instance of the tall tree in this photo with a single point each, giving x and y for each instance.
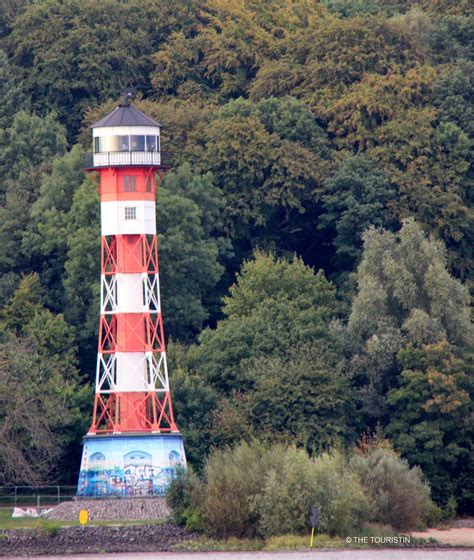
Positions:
(274, 305)
(356, 196)
(40, 392)
(404, 294)
(430, 418)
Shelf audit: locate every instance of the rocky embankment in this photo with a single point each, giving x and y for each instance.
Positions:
(112, 509)
(90, 539)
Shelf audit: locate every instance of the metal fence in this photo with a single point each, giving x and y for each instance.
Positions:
(35, 496)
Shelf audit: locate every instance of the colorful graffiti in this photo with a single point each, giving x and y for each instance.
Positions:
(129, 465)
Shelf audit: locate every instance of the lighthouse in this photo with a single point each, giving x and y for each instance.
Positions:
(133, 446)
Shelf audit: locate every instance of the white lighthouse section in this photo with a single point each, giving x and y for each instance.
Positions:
(126, 145)
(128, 217)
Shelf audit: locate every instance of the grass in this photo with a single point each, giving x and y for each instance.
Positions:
(8, 522)
(301, 542)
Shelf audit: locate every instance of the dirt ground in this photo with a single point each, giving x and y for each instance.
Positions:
(455, 536)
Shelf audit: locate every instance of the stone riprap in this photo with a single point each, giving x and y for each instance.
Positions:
(90, 539)
(112, 509)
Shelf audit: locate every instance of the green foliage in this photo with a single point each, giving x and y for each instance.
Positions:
(60, 48)
(12, 98)
(189, 257)
(274, 305)
(38, 379)
(430, 414)
(356, 196)
(233, 486)
(82, 267)
(351, 8)
(26, 150)
(183, 496)
(399, 494)
(404, 292)
(194, 402)
(298, 483)
(304, 395)
(51, 222)
(255, 489)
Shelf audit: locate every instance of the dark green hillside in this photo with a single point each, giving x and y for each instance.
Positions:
(316, 229)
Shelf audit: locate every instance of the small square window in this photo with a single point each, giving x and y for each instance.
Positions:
(130, 183)
(130, 213)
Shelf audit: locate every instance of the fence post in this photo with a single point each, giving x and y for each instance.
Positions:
(59, 494)
(15, 496)
(38, 499)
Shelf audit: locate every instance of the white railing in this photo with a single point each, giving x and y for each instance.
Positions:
(106, 159)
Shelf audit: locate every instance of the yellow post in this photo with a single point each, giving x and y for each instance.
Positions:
(83, 517)
(312, 537)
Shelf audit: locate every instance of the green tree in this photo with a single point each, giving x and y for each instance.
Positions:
(60, 45)
(41, 402)
(46, 241)
(41, 395)
(356, 196)
(194, 402)
(454, 95)
(304, 395)
(263, 177)
(430, 416)
(12, 99)
(82, 269)
(190, 267)
(274, 305)
(405, 294)
(27, 149)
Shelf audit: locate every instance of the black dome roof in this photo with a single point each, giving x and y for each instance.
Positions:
(125, 115)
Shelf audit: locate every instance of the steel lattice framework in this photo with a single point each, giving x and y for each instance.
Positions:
(132, 391)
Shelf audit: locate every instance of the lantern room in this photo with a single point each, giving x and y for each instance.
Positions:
(127, 137)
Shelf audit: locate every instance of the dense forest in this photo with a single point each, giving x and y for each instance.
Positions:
(315, 230)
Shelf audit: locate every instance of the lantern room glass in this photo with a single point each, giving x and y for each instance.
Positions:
(125, 143)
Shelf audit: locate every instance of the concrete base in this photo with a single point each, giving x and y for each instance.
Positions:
(129, 465)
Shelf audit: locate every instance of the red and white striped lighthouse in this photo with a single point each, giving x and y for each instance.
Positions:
(133, 414)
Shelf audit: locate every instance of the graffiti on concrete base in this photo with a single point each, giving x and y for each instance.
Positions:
(135, 466)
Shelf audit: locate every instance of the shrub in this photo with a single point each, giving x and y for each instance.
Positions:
(400, 497)
(183, 497)
(339, 495)
(234, 484)
(288, 495)
(255, 489)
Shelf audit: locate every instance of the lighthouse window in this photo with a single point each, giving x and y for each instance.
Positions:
(137, 143)
(130, 213)
(148, 185)
(151, 144)
(96, 145)
(109, 144)
(123, 143)
(130, 183)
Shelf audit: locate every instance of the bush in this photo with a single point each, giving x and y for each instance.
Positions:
(288, 495)
(400, 497)
(292, 488)
(258, 490)
(340, 497)
(234, 484)
(183, 497)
